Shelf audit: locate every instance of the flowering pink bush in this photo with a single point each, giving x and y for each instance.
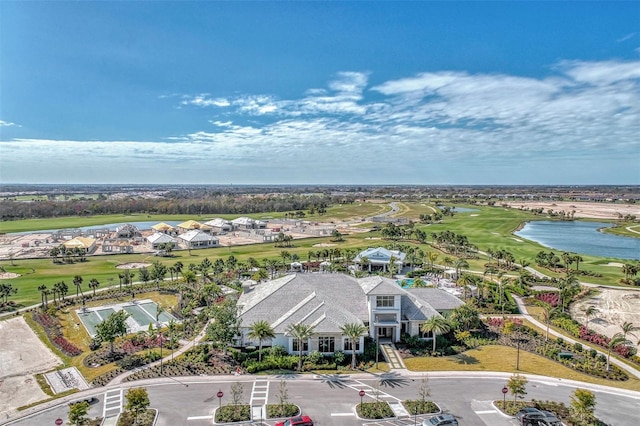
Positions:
(52, 327)
(66, 346)
(549, 298)
(601, 340)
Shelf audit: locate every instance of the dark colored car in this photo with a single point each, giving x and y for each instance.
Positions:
(89, 400)
(541, 418)
(441, 420)
(296, 421)
(525, 411)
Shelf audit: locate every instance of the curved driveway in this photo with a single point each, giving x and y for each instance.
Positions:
(331, 399)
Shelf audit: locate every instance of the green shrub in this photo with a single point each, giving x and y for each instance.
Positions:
(421, 407)
(315, 357)
(275, 411)
(233, 413)
(374, 410)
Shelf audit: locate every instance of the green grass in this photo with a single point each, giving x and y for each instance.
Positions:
(621, 229)
(489, 228)
(503, 358)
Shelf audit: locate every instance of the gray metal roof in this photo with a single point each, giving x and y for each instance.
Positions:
(327, 301)
(440, 300)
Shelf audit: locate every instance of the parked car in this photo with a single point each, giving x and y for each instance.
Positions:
(89, 400)
(441, 420)
(296, 421)
(524, 411)
(541, 418)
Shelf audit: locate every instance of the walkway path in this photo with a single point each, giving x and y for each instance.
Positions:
(392, 356)
(186, 346)
(523, 309)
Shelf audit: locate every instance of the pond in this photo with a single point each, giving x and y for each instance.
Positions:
(111, 226)
(581, 237)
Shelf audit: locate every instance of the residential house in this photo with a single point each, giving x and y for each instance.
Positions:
(196, 239)
(158, 239)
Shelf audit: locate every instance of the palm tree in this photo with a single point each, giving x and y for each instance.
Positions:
(588, 313)
(353, 331)
(94, 284)
(261, 330)
(42, 288)
(77, 281)
(300, 332)
(616, 340)
(465, 281)
(435, 325)
(459, 264)
(548, 312)
(628, 328)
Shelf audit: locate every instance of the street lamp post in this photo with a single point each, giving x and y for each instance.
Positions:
(519, 341)
(361, 393)
(504, 397)
(415, 415)
(377, 349)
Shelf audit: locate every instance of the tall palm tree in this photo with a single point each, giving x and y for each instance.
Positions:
(591, 311)
(465, 281)
(300, 332)
(261, 330)
(436, 325)
(616, 340)
(42, 288)
(353, 331)
(94, 284)
(548, 312)
(77, 281)
(628, 328)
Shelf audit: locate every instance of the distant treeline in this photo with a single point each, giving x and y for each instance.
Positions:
(172, 203)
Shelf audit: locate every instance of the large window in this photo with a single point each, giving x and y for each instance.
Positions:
(384, 302)
(326, 344)
(305, 345)
(348, 345)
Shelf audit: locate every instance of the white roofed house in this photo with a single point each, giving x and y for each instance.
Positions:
(330, 301)
(219, 225)
(379, 258)
(158, 239)
(248, 223)
(196, 239)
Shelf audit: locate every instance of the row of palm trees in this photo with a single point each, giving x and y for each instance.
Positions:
(262, 330)
(60, 290)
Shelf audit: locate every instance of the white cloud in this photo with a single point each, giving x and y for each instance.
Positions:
(427, 128)
(203, 100)
(8, 124)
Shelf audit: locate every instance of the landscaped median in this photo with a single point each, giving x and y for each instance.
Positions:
(503, 359)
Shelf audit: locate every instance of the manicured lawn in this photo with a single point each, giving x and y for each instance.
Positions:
(489, 228)
(621, 229)
(503, 358)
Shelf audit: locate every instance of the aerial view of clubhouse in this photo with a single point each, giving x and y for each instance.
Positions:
(357, 301)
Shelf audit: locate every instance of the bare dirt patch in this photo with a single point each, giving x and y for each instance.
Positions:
(22, 355)
(614, 308)
(133, 265)
(324, 245)
(581, 209)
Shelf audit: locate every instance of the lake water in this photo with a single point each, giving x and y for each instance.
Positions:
(581, 237)
(111, 226)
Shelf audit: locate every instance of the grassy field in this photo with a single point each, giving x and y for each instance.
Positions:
(626, 229)
(488, 228)
(503, 358)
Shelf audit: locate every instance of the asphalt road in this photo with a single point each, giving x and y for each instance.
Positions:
(331, 400)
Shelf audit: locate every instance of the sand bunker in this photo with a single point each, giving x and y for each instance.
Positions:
(133, 265)
(324, 245)
(614, 308)
(8, 275)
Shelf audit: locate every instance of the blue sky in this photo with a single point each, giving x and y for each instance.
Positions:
(320, 92)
